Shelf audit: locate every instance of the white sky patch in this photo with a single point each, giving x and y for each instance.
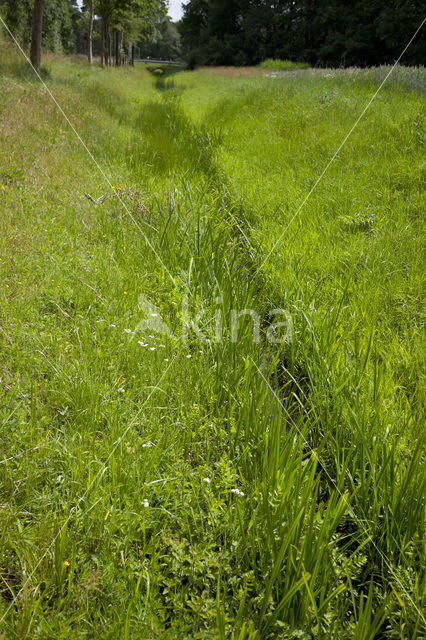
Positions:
(175, 10)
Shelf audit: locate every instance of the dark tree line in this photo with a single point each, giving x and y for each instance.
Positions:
(164, 44)
(111, 29)
(321, 32)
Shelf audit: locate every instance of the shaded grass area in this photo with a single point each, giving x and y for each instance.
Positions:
(124, 466)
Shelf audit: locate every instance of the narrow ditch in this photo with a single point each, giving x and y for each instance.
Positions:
(192, 140)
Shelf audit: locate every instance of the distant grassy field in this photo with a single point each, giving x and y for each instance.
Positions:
(158, 485)
(283, 65)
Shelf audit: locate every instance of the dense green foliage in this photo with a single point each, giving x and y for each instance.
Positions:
(61, 27)
(152, 486)
(65, 25)
(164, 42)
(130, 18)
(321, 32)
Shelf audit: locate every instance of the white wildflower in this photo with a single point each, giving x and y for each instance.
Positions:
(237, 492)
(207, 480)
(145, 503)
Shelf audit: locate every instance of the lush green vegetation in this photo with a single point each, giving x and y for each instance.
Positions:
(321, 32)
(210, 489)
(283, 65)
(143, 25)
(64, 27)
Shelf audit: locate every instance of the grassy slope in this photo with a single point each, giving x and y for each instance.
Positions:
(211, 170)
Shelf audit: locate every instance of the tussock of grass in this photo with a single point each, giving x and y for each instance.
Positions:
(283, 65)
(161, 491)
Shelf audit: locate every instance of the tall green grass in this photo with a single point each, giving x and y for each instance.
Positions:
(210, 489)
(283, 65)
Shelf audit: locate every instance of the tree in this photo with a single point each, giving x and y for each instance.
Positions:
(149, 15)
(90, 31)
(66, 26)
(35, 53)
(60, 23)
(324, 32)
(18, 17)
(129, 20)
(164, 44)
(104, 9)
(194, 32)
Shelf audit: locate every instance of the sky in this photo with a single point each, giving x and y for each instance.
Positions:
(175, 9)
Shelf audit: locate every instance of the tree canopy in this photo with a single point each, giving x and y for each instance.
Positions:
(59, 27)
(321, 32)
(236, 32)
(66, 24)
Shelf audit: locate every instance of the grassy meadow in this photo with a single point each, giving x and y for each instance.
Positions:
(157, 485)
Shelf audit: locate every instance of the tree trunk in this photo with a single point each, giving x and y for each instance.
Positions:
(132, 55)
(117, 47)
(35, 53)
(89, 33)
(108, 39)
(120, 47)
(103, 42)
